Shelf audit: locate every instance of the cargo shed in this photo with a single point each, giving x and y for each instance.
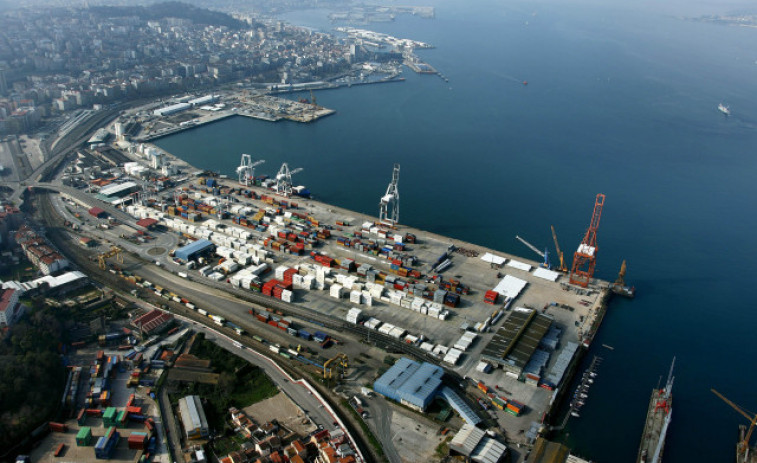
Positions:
(410, 383)
(194, 249)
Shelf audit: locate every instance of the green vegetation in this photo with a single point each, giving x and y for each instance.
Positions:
(32, 375)
(170, 10)
(240, 384)
(22, 271)
(443, 448)
(366, 432)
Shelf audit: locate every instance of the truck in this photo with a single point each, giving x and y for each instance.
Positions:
(183, 275)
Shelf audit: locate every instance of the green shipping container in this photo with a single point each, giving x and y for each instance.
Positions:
(512, 412)
(84, 436)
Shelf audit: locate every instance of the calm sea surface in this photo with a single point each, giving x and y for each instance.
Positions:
(620, 100)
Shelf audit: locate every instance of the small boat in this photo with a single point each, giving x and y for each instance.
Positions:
(724, 109)
(593, 375)
(525, 82)
(583, 396)
(575, 414)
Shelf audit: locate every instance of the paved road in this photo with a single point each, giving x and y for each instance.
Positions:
(296, 390)
(381, 425)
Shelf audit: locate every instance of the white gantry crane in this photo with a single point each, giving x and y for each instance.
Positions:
(284, 180)
(391, 199)
(246, 170)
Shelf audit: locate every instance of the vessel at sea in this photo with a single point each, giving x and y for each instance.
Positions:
(724, 109)
(657, 423)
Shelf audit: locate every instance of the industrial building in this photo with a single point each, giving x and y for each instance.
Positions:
(118, 190)
(474, 444)
(515, 342)
(203, 100)
(410, 383)
(153, 322)
(172, 109)
(193, 417)
(194, 249)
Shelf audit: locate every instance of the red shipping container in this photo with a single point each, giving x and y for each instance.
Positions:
(57, 427)
(94, 412)
(134, 410)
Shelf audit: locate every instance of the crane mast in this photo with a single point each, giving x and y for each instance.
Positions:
(585, 257)
(743, 447)
(560, 255)
(389, 206)
(284, 180)
(246, 170)
(544, 255)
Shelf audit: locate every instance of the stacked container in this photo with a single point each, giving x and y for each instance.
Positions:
(84, 436)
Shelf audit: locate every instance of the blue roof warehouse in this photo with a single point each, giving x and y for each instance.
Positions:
(410, 383)
(417, 384)
(194, 249)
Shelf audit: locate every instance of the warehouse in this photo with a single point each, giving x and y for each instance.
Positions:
(517, 339)
(475, 444)
(172, 109)
(410, 383)
(118, 190)
(153, 322)
(193, 417)
(194, 249)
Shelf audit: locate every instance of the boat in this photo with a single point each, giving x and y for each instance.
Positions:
(724, 109)
(657, 422)
(575, 414)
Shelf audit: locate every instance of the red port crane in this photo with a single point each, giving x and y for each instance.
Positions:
(585, 258)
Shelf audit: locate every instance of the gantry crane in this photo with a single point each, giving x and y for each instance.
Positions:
(392, 197)
(246, 170)
(114, 251)
(560, 256)
(284, 180)
(544, 255)
(585, 258)
(743, 446)
(342, 363)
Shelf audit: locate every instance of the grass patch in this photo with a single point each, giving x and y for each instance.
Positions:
(371, 438)
(443, 448)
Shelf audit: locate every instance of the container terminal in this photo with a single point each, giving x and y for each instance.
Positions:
(511, 329)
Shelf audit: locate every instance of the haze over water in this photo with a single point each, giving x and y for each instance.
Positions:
(620, 100)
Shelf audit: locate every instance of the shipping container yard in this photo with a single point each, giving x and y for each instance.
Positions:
(109, 417)
(323, 275)
(455, 301)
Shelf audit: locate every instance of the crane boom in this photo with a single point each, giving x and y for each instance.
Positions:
(563, 268)
(530, 246)
(585, 257)
(744, 445)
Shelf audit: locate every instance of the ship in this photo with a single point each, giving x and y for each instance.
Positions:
(658, 420)
(724, 109)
